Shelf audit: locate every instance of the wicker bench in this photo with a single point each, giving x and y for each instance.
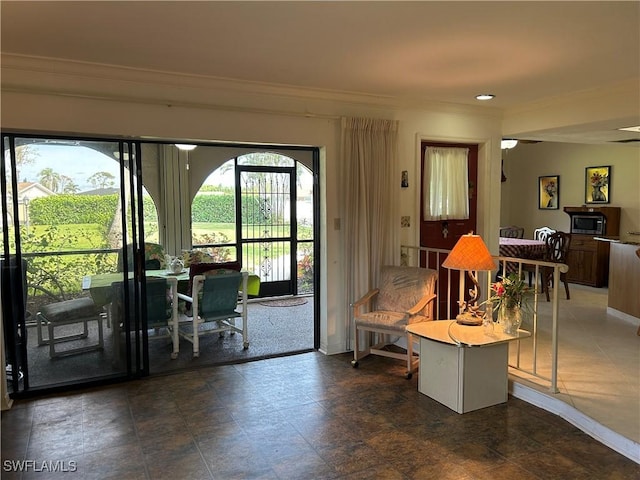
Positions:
(77, 310)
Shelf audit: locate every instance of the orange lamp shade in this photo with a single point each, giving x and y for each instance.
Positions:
(470, 253)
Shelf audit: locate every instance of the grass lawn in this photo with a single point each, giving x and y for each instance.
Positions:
(66, 237)
(226, 229)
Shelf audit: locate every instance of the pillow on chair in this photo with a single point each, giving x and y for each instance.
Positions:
(190, 257)
(202, 268)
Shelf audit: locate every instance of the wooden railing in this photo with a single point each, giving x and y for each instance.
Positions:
(433, 258)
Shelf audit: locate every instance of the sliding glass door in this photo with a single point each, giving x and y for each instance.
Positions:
(69, 208)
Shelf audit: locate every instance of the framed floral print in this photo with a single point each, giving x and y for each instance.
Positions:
(548, 192)
(597, 184)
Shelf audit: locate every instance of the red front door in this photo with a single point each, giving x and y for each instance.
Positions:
(445, 234)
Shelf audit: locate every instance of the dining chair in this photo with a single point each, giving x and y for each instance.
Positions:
(541, 234)
(405, 295)
(215, 296)
(512, 232)
(557, 249)
(158, 306)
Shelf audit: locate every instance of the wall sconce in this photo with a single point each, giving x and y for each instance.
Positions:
(404, 183)
(470, 254)
(508, 143)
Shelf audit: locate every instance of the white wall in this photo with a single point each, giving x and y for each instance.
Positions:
(56, 97)
(526, 162)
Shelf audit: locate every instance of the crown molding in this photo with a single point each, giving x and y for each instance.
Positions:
(112, 82)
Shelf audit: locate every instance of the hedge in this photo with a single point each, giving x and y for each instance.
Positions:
(67, 209)
(220, 208)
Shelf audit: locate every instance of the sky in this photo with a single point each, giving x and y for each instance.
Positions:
(76, 162)
(80, 163)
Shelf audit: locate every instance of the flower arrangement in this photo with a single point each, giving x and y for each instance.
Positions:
(510, 292)
(599, 180)
(551, 188)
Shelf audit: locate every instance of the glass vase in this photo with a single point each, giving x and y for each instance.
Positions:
(598, 195)
(510, 319)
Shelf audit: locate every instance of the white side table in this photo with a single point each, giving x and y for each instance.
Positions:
(461, 366)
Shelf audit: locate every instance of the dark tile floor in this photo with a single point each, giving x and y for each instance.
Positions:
(307, 416)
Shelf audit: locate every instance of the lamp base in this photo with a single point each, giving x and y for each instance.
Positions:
(468, 318)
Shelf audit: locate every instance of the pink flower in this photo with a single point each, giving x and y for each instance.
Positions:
(498, 288)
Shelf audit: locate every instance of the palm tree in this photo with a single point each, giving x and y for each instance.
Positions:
(50, 179)
(67, 185)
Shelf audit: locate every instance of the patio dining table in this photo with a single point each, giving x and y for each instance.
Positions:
(100, 285)
(100, 288)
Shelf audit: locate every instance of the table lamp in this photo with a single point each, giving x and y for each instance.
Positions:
(472, 255)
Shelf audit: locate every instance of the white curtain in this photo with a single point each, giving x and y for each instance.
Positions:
(445, 183)
(369, 203)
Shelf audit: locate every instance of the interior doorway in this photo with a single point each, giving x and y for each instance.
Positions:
(443, 234)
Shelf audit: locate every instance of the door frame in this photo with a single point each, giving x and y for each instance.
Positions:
(456, 230)
(281, 287)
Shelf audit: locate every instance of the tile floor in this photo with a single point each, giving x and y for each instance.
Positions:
(598, 360)
(313, 416)
(307, 416)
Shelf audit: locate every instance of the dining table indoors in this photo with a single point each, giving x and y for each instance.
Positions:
(521, 248)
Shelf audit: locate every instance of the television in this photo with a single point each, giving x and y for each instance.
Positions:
(588, 224)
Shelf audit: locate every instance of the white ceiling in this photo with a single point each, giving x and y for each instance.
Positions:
(522, 52)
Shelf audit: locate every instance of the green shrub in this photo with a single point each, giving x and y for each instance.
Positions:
(221, 208)
(67, 209)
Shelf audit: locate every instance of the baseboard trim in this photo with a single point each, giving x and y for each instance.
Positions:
(604, 435)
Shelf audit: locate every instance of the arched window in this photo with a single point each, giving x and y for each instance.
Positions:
(245, 211)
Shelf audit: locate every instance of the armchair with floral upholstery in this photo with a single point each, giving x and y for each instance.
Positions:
(405, 295)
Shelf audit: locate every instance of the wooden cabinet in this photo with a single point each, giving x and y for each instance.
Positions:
(588, 261)
(624, 279)
(588, 258)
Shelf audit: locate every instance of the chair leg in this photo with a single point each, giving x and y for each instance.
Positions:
(409, 373)
(356, 348)
(547, 284)
(196, 338)
(566, 289)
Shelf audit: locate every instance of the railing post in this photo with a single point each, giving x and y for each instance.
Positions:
(554, 330)
(539, 265)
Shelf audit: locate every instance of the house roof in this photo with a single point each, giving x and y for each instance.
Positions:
(100, 191)
(526, 53)
(25, 187)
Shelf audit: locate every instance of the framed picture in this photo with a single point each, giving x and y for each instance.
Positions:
(597, 188)
(548, 192)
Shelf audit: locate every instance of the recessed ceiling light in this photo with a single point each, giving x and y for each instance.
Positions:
(631, 129)
(485, 96)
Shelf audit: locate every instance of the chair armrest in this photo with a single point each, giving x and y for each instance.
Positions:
(364, 300)
(243, 293)
(424, 301)
(182, 296)
(197, 282)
